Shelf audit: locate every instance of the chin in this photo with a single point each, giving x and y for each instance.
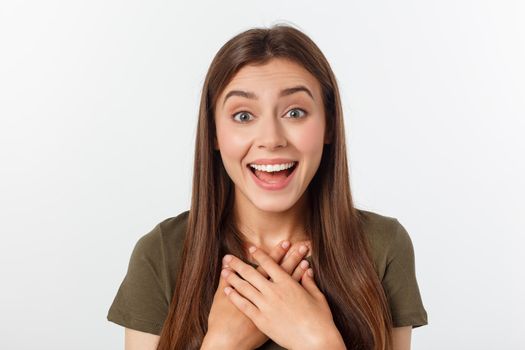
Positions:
(273, 205)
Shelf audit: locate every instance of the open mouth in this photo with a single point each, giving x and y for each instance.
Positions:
(274, 176)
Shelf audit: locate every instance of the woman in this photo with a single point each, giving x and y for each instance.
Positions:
(270, 168)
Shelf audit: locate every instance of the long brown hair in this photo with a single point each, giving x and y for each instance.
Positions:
(342, 262)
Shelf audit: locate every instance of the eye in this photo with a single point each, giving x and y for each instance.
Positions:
(242, 114)
(296, 113)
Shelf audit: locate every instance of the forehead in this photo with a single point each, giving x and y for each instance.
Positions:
(271, 77)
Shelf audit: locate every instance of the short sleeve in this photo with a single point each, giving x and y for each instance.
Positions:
(140, 302)
(400, 283)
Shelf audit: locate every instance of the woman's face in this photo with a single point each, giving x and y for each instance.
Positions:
(271, 113)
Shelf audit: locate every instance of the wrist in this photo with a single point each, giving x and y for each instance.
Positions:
(335, 340)
(211, 342)
(330, 339)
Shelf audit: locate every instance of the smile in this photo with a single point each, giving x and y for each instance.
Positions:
(273, 177)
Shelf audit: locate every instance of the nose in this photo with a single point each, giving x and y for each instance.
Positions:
(270, 134)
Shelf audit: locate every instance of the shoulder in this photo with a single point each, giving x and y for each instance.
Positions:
(173, 229)
(157, 254)
(379, 228)
(394, 259)
(143, 298)
(167, 233)
(387, 237)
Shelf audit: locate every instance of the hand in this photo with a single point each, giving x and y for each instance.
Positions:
(296, 316)
(228, 327)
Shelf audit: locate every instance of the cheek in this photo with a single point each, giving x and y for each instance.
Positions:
(232, 146)
(310, 139)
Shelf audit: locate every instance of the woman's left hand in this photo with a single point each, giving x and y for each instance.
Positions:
(295, 316)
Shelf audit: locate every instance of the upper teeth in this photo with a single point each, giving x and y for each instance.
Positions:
(272, 168)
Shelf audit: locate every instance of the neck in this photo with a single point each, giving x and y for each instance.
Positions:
(266, 229)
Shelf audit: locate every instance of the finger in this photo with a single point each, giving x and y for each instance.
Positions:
(247, 272)
(294, 258)
(276, 254)
(223, 282)
(243, 304)
(242, 287)
(275, 271)
(300, 270)
(309, 284)
(307, 243)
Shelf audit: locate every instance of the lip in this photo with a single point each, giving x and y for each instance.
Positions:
(268, 161)
(275, 186)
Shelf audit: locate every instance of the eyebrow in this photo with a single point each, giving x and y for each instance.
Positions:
(251, 95)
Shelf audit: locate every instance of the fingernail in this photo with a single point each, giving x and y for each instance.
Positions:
(227, 259)
(304, 264)
(310, 272)
(285, 244)
(303, 249)
(225, 273)
(252, 249)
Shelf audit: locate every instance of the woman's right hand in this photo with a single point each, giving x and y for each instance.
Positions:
(229, 328)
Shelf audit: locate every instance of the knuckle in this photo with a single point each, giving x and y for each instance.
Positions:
(244, 305)
(243, 285)
(296, 275)
(263, 261)
(297, 254)
(241, 271)
(246, 270)
(276, 256)
(230, 278)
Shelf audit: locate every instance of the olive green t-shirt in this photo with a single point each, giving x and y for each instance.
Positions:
(143, 298)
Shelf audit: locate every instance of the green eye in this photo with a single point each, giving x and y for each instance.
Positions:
(242, 114)
(297, 113)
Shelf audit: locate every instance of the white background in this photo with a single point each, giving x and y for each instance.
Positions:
(98, 106)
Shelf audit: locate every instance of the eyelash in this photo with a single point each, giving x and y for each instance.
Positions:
(293, 109)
